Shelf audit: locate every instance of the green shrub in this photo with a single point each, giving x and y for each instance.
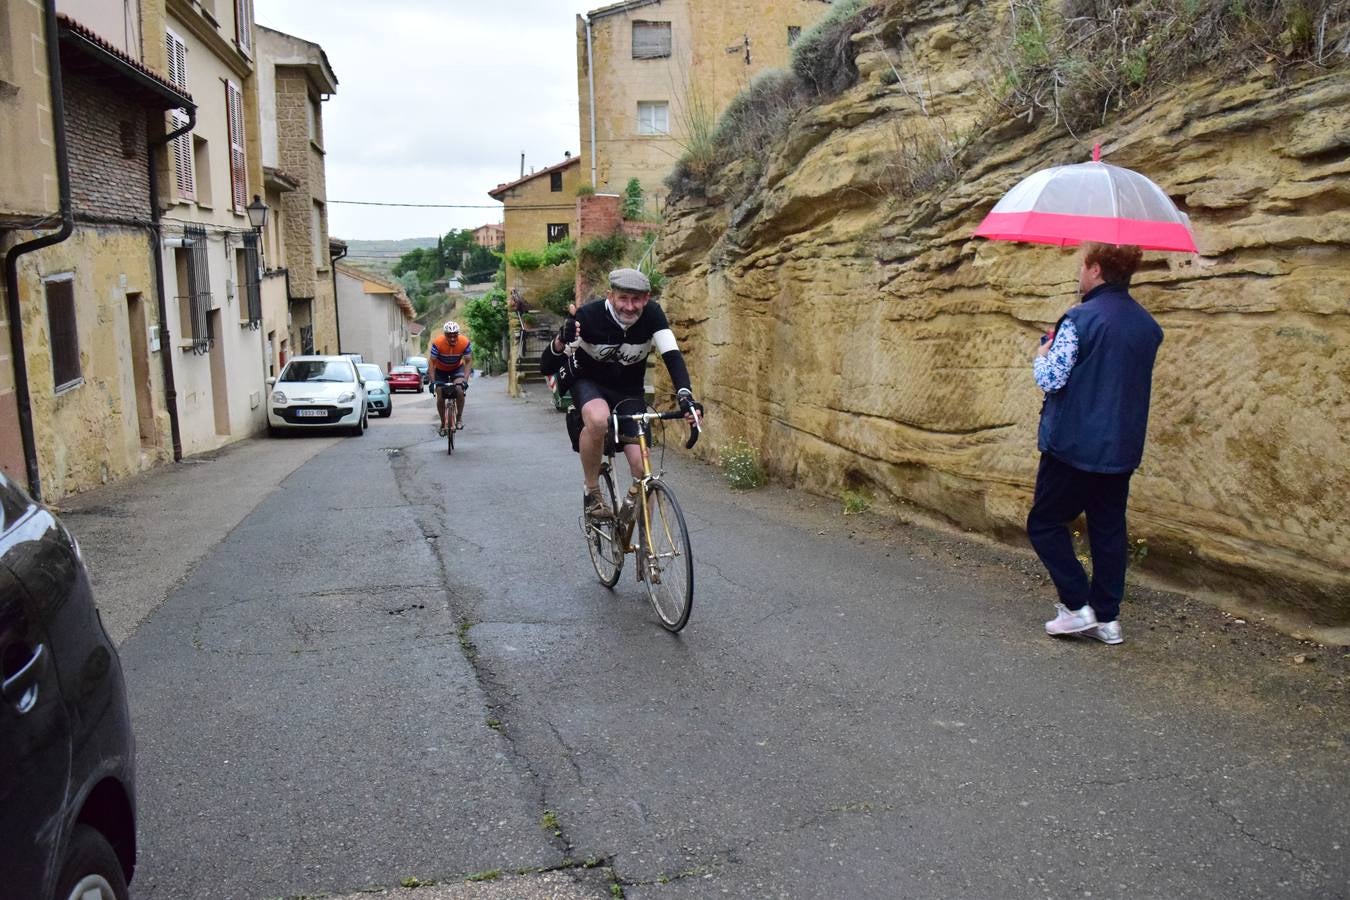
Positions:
(563, 293)
(856, 502)
(585, 190)
(525, 260)
(560, 252)
(633, 203)
(741, 465)
(486, 318)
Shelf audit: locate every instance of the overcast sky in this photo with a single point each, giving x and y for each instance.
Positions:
(436, 101)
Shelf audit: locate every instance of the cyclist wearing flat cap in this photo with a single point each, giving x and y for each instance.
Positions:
(612, 339)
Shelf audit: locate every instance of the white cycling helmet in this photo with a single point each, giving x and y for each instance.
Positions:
(451, 328)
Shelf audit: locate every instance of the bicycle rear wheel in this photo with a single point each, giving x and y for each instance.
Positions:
(667, 559)
(602, 538)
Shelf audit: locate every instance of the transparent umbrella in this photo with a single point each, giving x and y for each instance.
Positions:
(1093, 201)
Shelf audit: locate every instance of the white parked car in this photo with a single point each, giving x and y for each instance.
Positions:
(317, 392)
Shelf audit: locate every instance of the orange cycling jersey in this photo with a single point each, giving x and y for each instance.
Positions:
(447, 354)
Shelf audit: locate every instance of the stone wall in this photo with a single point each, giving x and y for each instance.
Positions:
(863, 340)
(294, 151)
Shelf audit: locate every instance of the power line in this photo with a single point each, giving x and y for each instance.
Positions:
(421, 205)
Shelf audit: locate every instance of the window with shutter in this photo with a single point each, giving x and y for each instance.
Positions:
(651, 40)
(243, 26)
(234, 114)
(184, 176)
(62, 331)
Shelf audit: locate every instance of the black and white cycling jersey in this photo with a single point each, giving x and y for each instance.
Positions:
(615, 357)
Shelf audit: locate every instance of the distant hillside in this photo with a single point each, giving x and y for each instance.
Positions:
(380, 256)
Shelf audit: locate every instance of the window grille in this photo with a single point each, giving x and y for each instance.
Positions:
(61, 326)
(306, 339)
(252, 281)
(199, 288)
(557, 232)
(651, 40)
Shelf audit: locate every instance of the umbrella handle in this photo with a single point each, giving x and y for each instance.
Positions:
(1096, 152)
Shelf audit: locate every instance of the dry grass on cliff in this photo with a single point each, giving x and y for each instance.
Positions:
(1079, 61)
(1074, 63)
(824, 63)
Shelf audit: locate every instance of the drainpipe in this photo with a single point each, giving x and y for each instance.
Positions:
(590, 87)
(21, 393)
(157, 251)
(337, 316)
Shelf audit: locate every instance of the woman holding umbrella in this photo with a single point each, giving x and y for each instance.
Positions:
(1097, 374)
(1096, 369)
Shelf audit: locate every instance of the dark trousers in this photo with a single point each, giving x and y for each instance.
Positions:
(1062, 492)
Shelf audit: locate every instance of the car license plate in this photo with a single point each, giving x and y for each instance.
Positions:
(312, 413)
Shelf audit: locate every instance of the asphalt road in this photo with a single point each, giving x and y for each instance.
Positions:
(398, 664)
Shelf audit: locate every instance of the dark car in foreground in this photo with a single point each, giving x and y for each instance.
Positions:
(67, 787)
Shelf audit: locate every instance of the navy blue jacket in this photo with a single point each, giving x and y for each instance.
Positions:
(1097, 421)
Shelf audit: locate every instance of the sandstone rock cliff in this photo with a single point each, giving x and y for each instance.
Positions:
(863, 339)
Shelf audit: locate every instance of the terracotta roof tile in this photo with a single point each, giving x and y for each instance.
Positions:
(76, 28)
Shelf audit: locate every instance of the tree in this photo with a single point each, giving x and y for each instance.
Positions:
(486, 318)
(632, 200)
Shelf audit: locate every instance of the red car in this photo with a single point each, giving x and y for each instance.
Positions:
(405, 378)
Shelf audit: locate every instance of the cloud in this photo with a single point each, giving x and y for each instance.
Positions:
(436, 101)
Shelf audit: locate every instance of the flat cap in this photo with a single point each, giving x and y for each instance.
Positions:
(630, 280)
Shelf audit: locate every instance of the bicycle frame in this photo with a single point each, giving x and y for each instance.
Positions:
(644, 419)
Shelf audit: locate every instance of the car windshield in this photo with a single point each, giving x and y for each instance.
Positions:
(318, 370)
(370, 372)
(403, 370)
(416, 361)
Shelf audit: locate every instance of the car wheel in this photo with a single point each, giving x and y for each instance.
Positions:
(388, 410)
(91, 869)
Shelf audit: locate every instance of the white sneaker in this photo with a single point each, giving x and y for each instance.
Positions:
(1071, 622)
(1108, 633)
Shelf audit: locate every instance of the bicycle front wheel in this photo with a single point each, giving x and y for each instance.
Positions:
(667, 559)
(602, 538)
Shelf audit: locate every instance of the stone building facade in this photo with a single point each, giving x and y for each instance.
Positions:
(648, 71)
(539, 209)
(28, 184)
(89, 304)
(294, 78)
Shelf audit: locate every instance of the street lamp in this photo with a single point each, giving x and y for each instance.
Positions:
(257, 213)
(257, 217)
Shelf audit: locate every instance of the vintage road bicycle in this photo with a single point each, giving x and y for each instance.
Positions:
(648, 524)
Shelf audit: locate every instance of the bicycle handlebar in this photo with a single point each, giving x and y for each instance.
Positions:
(694, 429)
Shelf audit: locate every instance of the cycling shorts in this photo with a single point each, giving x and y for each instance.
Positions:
(586, 390)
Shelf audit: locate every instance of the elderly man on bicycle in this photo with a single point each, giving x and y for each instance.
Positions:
(610, 341)
(450, 357)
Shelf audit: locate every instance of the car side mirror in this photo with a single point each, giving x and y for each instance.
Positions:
(271, 382)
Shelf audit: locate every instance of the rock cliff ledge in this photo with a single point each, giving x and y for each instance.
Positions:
(838, 314)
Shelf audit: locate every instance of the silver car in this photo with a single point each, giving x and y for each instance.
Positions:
(378, 398)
